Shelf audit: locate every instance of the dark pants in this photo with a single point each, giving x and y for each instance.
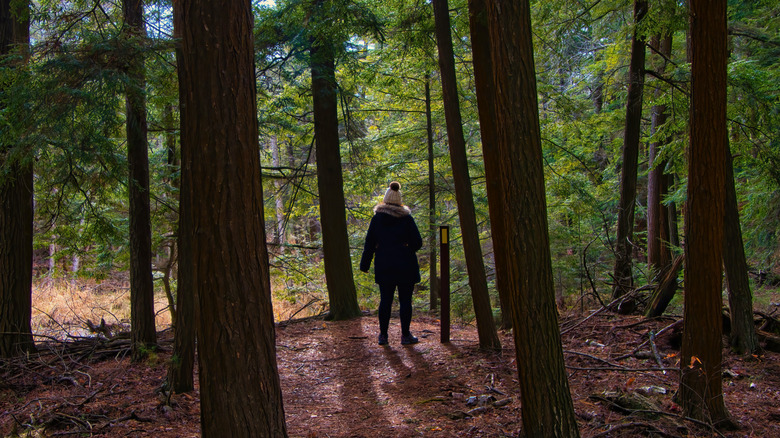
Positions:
(386, 292)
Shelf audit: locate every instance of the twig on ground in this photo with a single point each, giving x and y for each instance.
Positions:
(647, 427)
(643, 321)
(655, 350)
(602, 309)
(621, 369)
(595, 358)
(704, 424)
(290, 320)
(679, 321)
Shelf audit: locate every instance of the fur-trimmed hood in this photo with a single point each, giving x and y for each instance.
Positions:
(393, 210)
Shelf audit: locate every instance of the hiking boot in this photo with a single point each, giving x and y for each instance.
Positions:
(409, 339)
(382, 339)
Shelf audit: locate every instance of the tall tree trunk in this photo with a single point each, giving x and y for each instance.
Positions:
(142, 327)
(52, 258)
(659, 253)
(75, 260)
(342, 295)
(171, 178)
(659, 216)
(701, 390)
(674, 232)
(547, 406)
(173, 160)
(488, 338)
(181, 369)
(279, 203)
(16, 247)
(239, 381)
(483, 78)
(16, 215)
(743, 337)
(434, 278)
(623, 275)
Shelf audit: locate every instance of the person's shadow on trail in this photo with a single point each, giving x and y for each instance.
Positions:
(363, 403)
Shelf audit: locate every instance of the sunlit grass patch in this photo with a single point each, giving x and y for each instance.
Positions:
(62, 307)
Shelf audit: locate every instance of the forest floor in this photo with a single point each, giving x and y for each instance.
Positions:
(337, 382)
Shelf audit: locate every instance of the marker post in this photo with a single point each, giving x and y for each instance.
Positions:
(444, 292)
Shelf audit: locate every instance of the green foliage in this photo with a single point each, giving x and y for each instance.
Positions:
(754, 119)
(65, 110)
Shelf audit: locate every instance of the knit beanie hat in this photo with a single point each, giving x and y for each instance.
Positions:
(393, 194)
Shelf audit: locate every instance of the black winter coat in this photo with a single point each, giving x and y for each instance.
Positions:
(393, 238)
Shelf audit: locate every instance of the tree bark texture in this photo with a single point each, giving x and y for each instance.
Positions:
(486, 329)
(659, 253)
(483, 79)
(623, 275)
(547, 406)
(16, 249)
(16, 216)
(171, 177)
(239, 382)
(342, 295)
(181, 370)
(433, 296)
(142, 326)
(701, 391)
(743, 338)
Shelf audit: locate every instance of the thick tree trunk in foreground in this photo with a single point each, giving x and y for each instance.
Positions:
(623, 274)
(547, 406)
(488, 338)
(743, 337)
(239, 382)
(342, 295)
(483, 78)
(142, 327)
(701, 390)
(16, 249)
(16, 214)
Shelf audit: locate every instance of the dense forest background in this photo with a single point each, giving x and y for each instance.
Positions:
(67, 108)
(217, 164)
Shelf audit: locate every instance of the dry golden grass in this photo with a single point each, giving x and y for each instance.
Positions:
(62, 307)
(305, 305)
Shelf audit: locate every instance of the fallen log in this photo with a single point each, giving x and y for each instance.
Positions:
(771, 341)
(666, 289)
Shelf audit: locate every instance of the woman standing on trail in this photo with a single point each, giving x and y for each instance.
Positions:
(393, 239)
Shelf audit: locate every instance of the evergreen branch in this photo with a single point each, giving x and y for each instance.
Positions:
(671, 83)
(753, 34)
